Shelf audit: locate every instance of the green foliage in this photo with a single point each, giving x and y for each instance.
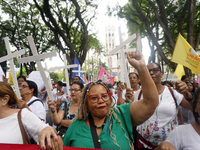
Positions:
(161, 21)
(55, 25)
(23, 72)
(56, 76)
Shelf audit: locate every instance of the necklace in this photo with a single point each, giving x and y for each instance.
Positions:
(100, 126)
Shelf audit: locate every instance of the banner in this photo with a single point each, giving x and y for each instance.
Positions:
(185, 55)
(179, 72)
(33, 147)
(104, 76)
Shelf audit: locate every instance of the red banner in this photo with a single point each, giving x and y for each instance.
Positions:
(33, 147)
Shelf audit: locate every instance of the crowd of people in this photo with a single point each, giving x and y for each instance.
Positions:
(150, 115)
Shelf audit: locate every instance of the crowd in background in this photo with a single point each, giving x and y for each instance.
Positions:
(152, 114)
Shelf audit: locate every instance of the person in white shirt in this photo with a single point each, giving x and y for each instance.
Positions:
(29, 91)
(186, 137)
(34, 127)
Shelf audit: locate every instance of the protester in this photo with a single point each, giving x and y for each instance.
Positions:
(21, 79)
(134, 81)
(157, 128)
(29, 92)
(186, 137)
(124, 95)
(10, 130)
(76, 79)
(111, 127)
(59, 97)
(72, 107)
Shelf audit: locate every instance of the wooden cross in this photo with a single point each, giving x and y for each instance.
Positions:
(120, 49)
(37, 58)
(65, 67)
(10, 57)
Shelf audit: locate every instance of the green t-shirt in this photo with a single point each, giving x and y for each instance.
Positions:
(79, 134)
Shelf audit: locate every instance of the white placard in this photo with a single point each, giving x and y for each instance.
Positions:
(1, 74)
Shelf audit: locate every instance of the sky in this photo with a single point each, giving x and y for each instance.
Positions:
(100, 23)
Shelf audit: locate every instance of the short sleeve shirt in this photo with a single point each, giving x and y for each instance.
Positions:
(79, 134)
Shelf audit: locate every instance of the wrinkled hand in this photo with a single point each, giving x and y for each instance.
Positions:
(165, 146)
(48, 139)
(129, 95)
(22, 104)
(52, 105)
(136, 59)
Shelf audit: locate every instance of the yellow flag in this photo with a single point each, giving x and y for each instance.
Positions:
(179, 72)
(10, 79)
(185, 55)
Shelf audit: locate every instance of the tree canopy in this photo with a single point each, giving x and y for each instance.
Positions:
(55, 25)
(161, 21)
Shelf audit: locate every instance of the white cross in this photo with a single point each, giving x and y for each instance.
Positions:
(10, 57)
(65, 67)
(79, 70)
(37, 58)
(119, 49)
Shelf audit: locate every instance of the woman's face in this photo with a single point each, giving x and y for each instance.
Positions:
(75, 92)
(155, 73)
(190, 87)
(24, 89)
(100, 108)
(133, 80)
(20, 81)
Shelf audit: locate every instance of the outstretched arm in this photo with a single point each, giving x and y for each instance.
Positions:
(143, 109)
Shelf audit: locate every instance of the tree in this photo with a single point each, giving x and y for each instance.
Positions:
(54, 24)
(69, 21)
(23, 20)
(161, 21)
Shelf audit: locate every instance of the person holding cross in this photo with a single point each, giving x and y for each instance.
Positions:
(29, 92)
(99, 125)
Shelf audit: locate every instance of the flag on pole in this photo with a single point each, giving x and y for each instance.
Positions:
(78, 70)
(179, 72)
(104, 76)
(185, 55)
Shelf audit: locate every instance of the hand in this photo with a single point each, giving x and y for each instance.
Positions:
(22, 104)
(68, 97)
(121, 86)
(182, 88)
(129, 95)
(4, 79)
(136, 59)
(48, 139)
(52, 105)
(165, 146)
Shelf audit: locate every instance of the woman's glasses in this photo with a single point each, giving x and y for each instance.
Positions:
(154, 70)
(75, 90)
(23, 86)
(95, 98)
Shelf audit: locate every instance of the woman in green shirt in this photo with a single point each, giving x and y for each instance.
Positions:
(99, 125)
